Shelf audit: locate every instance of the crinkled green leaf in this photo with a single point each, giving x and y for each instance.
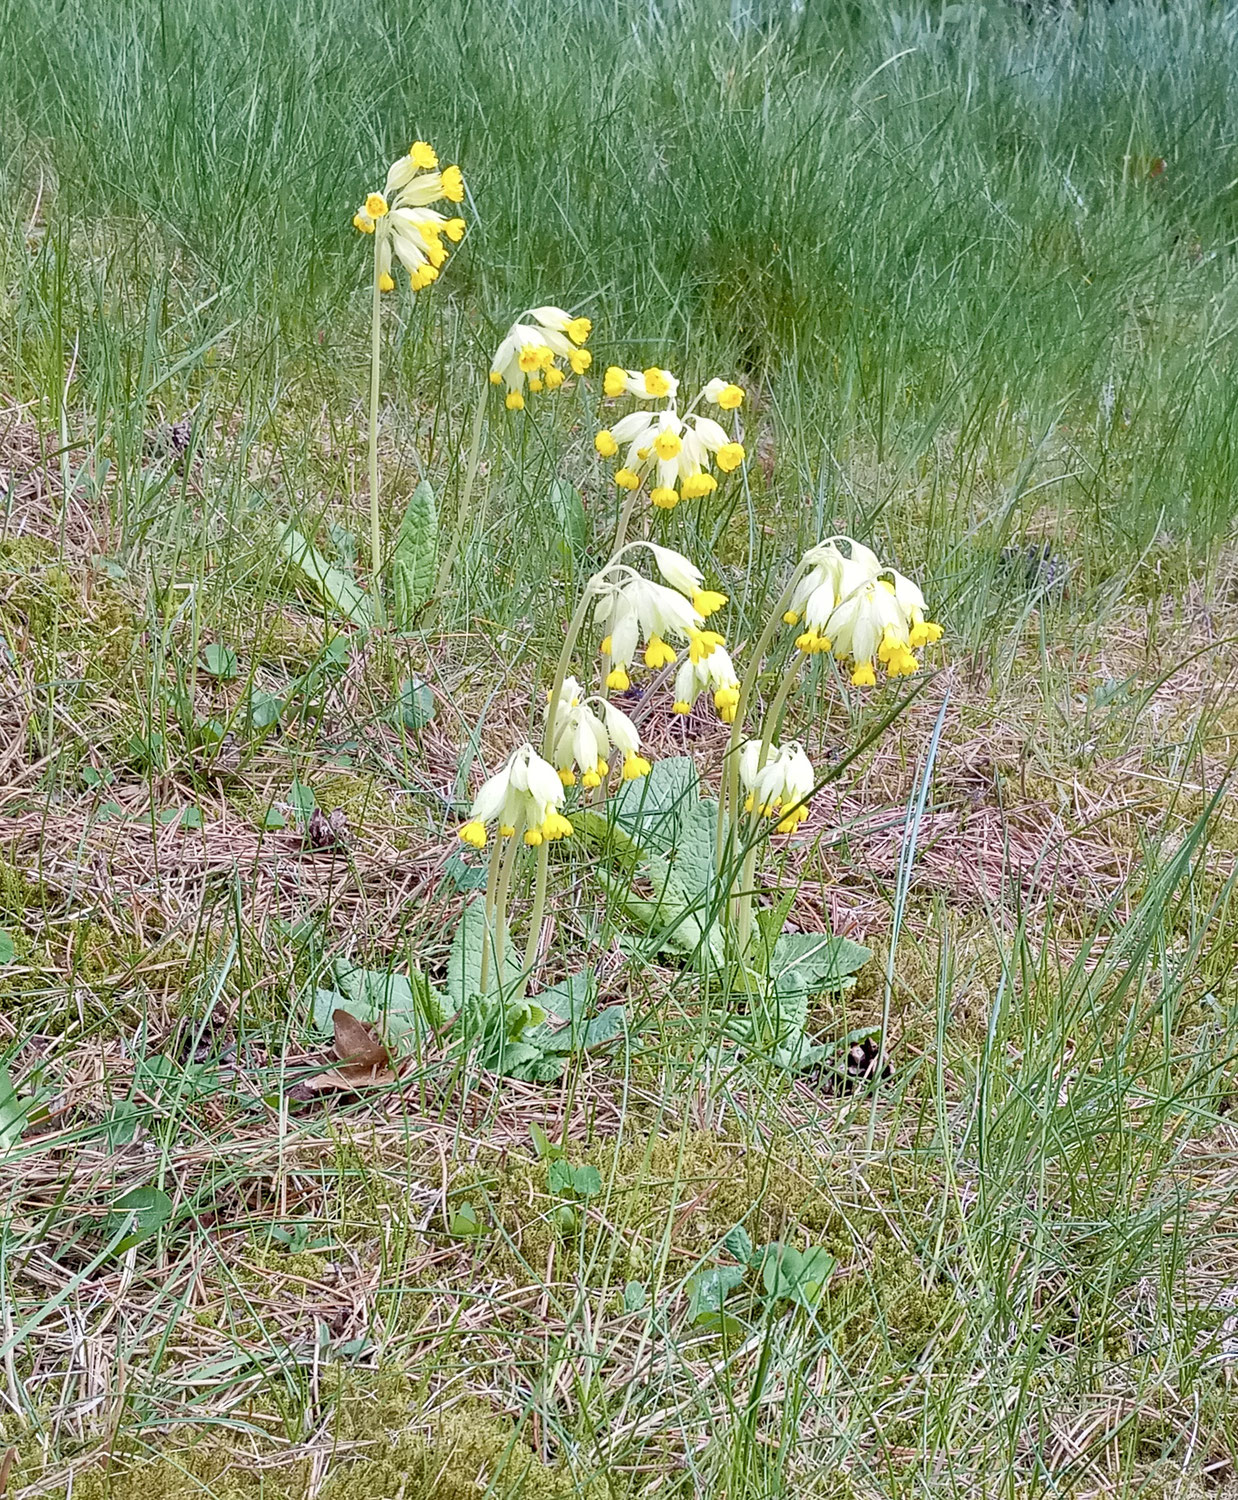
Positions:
(816, 961)
(335, 589)
(414, 558)
(650, 808)
(464, 962)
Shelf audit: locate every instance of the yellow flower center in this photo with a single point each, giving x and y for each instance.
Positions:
(667, 445)
(730, 456)
(423, 155)
(729, 397)
(453, 184)
(376, 205)
(656, 382)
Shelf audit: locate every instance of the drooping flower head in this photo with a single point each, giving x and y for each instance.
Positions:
(584, 732)
(715, 674)
(674, 453)
(632, 609)
(780, 787)
(528, 792)
(532, 348)
(403, 221)
(861, 611)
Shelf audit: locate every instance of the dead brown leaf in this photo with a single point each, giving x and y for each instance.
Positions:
(364, 1061)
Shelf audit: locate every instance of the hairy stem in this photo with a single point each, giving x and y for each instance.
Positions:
(492, 883)
(376, 539)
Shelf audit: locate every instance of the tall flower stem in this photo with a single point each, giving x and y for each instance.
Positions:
(500, 904)
(492, 886)
(621, 536)
(575, 625)
(376, 538)
(466, 496)
(747, 879)
(729, 791)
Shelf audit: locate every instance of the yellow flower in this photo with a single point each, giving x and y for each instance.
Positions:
(662, 497)
(376, 205)
(579, 329)
(667, 445)
(708, 602)
(626, 480)
(658, 654)
(657, 382)
(453, 185)
(730, 456)
(605, 443)
(454, 230)
(722, 393)
(514, 401)
(362, 221)
(533, 344)
(474, 833)
(615, 381)
(423, 155)
(386, 282)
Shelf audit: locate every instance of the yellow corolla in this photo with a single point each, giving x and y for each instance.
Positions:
(526, 793)
(530, 351)
(407, 228)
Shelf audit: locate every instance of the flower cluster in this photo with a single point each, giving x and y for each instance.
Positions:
(861, 611)
(583, 738)
(674, 452)
(633, 610)
(526, 793)
(778, 785)
(406, 226)
(531, 349)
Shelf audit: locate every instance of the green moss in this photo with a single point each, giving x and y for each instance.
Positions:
(452, 1458)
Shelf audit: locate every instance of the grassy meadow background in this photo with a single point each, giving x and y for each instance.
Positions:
(975, 265)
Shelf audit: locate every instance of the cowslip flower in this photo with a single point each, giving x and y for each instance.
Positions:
(407, 228)
(723, 393)
(830, 578)
(632, 609)
(528, 792)
(583, 738)
(863, 612)
(653, 384)
(780, 787)
(715, 674)
(674, 452)
(531, 349)
(683, 574)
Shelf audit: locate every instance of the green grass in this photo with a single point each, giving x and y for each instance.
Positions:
(971, 312)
